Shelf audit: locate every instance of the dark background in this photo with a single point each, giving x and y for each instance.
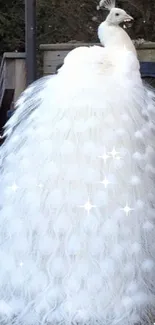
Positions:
(69, 20)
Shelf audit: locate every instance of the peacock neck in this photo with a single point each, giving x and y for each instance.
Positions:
(115, 36)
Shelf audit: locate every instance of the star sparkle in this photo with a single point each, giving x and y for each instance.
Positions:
(114, 153)
(105, 182)
(14, 187)
(21, 264)
(104, 157)
(127, 209)
(88, 206)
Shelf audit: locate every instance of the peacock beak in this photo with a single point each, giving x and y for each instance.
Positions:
(128, 18)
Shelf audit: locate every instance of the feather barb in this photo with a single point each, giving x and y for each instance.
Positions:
(108, 4)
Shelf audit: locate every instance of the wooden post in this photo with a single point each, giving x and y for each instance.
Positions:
(30, 40)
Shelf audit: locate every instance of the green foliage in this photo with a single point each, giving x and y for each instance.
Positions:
(11, 25)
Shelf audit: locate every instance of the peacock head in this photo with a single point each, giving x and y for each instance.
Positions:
(116, 15)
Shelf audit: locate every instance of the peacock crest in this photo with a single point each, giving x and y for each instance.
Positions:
(108, 4)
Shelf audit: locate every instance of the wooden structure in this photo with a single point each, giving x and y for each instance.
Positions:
(54, 54)
(12, 82)
(13, 70)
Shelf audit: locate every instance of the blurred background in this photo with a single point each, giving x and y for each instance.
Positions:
(69, 20)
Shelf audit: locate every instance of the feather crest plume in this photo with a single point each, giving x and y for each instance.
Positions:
(108, 4)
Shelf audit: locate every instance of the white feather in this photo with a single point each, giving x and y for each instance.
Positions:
(108, 4)
(74, 248)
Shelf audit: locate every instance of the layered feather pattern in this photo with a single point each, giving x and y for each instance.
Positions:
(77, 195)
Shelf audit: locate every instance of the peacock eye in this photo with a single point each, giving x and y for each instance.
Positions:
(117, 14)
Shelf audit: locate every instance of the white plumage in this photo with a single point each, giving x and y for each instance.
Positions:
(77, 218)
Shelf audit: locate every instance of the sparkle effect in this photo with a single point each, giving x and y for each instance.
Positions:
(114, 153)
(14, 187)
(104, 157)
(88, 206)
(127, 209)
(105, 182)
(21, 264)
